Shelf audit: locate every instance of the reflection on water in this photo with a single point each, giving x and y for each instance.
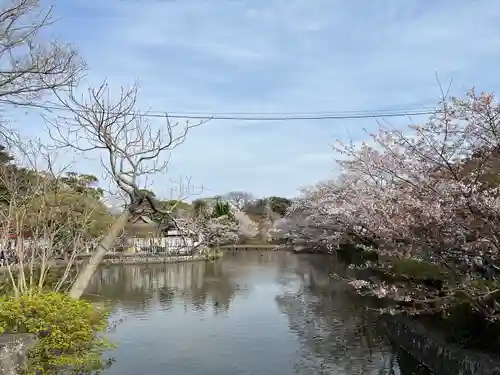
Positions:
(248, 313)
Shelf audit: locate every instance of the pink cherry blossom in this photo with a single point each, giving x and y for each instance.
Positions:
(430, 192)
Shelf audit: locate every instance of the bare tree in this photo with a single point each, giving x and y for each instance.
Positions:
(32, 67)
(132, 150)
(42, 219)
(239, 199)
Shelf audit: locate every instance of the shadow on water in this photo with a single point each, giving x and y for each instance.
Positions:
(248, 313)
(333, 326)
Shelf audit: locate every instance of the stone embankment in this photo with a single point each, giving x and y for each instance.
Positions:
(131, 258)
(14, 352)
(432, 352)
(136, 259)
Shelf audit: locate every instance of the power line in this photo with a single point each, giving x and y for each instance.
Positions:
(283, 116)
(395, 108)
(306, 117)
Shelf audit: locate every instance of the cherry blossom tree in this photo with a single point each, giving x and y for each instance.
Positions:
(216, 222)
(428, 193)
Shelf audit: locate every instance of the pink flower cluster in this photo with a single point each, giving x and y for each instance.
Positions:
(429, 192)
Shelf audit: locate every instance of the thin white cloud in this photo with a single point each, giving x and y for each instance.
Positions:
(283, 56)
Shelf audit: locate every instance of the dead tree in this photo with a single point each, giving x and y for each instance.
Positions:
(131, 148)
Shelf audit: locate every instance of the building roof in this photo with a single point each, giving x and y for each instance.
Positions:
(143, 227)
(143, 220)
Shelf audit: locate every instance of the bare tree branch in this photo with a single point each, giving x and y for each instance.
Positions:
(31, 67)
(42, 219)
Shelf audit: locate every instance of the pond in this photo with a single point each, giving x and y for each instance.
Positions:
(247, 313)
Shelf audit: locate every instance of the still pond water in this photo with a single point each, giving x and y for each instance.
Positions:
(247, 313)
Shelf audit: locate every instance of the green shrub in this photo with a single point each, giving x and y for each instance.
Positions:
(70, 331)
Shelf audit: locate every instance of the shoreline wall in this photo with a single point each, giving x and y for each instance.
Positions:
(433, 353)
(14, 352)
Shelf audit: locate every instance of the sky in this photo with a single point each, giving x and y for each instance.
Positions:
(286, 56)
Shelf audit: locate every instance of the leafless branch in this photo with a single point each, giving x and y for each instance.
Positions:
(42, 219)
(132, 149)
(31, 67)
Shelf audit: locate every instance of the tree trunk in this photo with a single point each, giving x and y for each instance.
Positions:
(83, 279)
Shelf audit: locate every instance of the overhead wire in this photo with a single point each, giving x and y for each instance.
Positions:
(269, 116)
(394, 108)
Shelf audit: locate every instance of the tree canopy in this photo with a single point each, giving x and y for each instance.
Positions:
(41, 200)
(276, 204)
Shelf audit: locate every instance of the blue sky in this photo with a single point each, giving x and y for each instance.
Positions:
(280, 56)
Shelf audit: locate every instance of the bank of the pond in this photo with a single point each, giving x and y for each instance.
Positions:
(136, 259)
(249, 247)
(463, 342)
(430, 350)
(156, 259)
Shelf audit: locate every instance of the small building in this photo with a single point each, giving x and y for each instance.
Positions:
(144, 235)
